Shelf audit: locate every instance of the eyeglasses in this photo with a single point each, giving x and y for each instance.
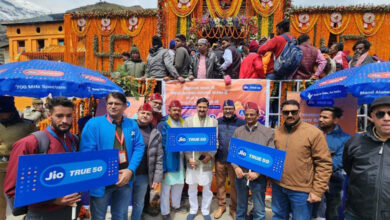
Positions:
(381, 114)
(293, 112)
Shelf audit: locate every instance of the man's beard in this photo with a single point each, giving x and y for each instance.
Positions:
(59, 130)
(156, 110)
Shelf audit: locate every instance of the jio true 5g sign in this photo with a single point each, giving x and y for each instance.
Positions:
(192, 139)
(47, 176)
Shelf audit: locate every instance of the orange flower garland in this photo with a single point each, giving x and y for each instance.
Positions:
(216, 10)
(267, 10)
(112, 25)
(304, 28)
(339, 29)
(84, 30)
(133, 33)
(185, 10)
(371, 29)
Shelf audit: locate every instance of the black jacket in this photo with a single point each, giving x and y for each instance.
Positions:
(366, 160)
(213, 68)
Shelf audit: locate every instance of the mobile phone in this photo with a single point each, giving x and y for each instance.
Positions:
(201, 157)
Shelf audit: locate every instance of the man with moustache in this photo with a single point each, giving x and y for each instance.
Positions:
(200, 164)
(226, 126)
(307, 167)
(156, 101)
(336, 138)
(173, 164)
(366, 161)
(150, 170)
(60, 141)
(254, 132)
(114, 131)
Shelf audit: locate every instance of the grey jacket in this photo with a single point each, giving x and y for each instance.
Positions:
(213, 67)
(160, 64)
(208, 166)
(155, 157)
(182, 61)
(259, 134)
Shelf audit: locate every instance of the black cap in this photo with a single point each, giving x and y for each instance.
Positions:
(384, 100)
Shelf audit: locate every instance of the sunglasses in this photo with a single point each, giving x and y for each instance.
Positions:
(293, 112)
(381, 114)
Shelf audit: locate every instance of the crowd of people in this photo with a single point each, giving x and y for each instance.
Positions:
(256, 59)
(311, 183)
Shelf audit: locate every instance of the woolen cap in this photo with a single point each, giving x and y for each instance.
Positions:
(251, 105)
(156, 96)
(175, 103)
(145, 107)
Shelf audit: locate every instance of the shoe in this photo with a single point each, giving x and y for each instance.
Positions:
(166, 217)
(191, 216)
(233, 214)
(181, 209)
(207, 217)
(219, 212)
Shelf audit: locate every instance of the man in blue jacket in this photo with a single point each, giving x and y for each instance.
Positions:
(114, 131)
(173, 163)
(227, 124)
(336, 138)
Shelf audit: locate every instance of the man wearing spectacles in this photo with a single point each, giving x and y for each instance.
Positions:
(366, 160)
(307, 167)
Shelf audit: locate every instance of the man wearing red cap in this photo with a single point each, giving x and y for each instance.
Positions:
(200, 164)
(150, 169)
(156, 101)
(254, 132)
(173, 163)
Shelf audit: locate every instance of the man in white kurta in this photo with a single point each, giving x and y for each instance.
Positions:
(200, 164)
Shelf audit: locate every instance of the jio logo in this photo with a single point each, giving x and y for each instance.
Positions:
(53, 175)
(128, 104)
(181, 139)
(241, 112)
(242, 153)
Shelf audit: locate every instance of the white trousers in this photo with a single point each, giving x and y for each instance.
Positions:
(207, 196)
(175, 191)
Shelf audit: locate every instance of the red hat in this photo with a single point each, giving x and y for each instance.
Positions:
(145, 107)
(155, 96)
(251, 105)
(253, 46)
(175, 103)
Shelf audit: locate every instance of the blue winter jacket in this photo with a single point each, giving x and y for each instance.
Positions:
(336, 140)
(226, 128)
(171, 160)
(99, 134)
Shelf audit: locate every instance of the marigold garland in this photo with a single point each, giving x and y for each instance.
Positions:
(182, 12)
(115, 13)
(304, 29)
(267, 10)
(125, 26)
(336, 30)
(215, 9)
(99, 27)
(370, 31)
(76, 30)
(341, 9)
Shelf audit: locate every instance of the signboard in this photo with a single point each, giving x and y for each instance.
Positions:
(192, 139)
(42, 177)
(262, 159)
(215, 90)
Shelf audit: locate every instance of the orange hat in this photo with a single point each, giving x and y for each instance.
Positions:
(145, 107)
(175, 103)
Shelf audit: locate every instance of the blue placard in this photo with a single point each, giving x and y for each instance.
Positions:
(42, 177)
(192, 139)
(265, 160)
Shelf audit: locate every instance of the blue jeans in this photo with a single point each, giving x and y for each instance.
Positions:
(120, 200)
(350, 217)
(140, 186)
(257, 188)
(285, 201)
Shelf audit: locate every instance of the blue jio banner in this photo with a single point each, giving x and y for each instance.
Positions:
(192, 139)
(42, 177)
(262, 159)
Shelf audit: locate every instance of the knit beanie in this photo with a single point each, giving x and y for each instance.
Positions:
(156, 41)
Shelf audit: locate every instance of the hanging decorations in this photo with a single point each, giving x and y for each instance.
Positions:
(265, 7)
(114, 13)
(369, 23)
(336, 23)
(105, 26)
(132, 26)
(182, 8)
(341, 9)
(80, 26)
(160, 23)
(303, 23)
(216, 10)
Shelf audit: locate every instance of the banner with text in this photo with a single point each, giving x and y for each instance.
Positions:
(215, 90)
(42, 177)
(262, 159)
(192, 139)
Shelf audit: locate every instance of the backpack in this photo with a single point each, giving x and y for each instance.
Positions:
(289, 60)
(43, 147)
